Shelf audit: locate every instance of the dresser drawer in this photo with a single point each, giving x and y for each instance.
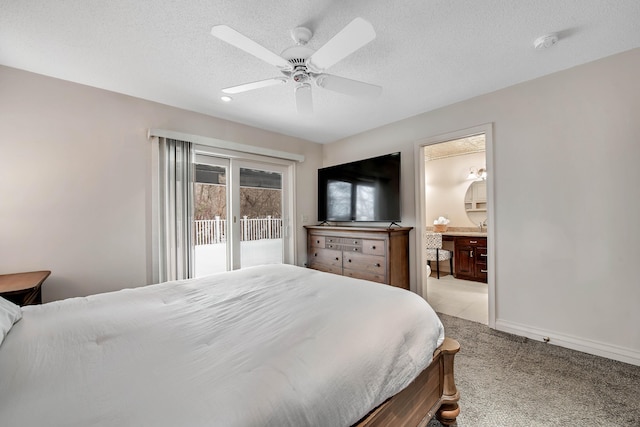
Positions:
(326, 256)
(331, 239)
(366, 275)
(373, 247)
(317, 241)
(351, 241)
(326, 268)
(361, 262)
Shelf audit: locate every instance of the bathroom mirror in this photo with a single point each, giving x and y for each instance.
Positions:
(475, 202)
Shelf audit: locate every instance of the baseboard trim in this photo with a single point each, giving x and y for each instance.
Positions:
(596, 348)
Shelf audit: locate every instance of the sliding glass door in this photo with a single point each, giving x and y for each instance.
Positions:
(241, 213)
(261, 214)
(210, 214)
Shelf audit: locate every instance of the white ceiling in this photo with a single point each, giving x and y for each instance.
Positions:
(427, 54)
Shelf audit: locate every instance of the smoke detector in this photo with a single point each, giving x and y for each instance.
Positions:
(545, 42)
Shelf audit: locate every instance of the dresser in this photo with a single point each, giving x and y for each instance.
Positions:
(370, 253)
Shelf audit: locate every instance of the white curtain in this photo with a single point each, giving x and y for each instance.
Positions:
(176, 174)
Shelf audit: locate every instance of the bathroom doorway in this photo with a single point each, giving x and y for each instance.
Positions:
(454, 198)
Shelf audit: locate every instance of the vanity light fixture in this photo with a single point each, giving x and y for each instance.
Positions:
(475, 174)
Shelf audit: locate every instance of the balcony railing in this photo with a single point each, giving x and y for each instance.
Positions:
(212, 231)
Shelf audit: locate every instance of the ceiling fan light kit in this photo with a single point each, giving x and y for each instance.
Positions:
(546, 41)
(303, 65)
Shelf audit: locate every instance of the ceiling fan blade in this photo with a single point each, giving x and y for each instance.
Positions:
(348, 86)
(304, 102)
(255, 85)
(351, 38)
(240, 41)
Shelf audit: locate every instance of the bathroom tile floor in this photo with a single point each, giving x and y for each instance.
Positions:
(460, 298)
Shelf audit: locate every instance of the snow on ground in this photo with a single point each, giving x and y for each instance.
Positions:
(212, 258)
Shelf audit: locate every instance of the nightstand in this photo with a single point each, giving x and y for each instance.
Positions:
(23, 288)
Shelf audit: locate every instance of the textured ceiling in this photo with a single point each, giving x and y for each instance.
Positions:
(427, 54)
(456, 147)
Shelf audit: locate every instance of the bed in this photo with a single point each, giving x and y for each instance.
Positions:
(273, 345)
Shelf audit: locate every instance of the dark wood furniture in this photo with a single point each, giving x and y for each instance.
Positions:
(370, 253)
(433, 392)
(471, 258)
(23, 288)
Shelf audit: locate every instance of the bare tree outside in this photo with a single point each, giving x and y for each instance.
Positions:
(211, 201)
(260, 202)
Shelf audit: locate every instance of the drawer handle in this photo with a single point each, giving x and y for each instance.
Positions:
(337, 259)
(377, 264)
(373, 247)
(355, 249)
(470, 254)
(473, 241)
(355, 242)
(483, 271)
(349, 260)
(484, 255)
(316, 254)
(318, 241)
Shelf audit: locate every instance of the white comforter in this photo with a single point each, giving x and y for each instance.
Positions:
(273, 345)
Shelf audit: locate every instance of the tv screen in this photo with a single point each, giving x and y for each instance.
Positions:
(365, 190)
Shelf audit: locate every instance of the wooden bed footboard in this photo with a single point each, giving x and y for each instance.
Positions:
(433, 392)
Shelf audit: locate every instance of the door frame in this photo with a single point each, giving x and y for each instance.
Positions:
(419, 154)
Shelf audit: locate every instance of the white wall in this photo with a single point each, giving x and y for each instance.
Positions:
(75, 180)
(446, 186)
(566, 156)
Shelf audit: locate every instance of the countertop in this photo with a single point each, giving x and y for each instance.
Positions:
(465, 233)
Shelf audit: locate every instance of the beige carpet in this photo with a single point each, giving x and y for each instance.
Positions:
(510, 381)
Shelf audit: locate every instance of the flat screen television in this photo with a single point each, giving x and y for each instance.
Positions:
(366, 190)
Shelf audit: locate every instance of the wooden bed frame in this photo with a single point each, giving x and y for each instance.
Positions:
(433, 392)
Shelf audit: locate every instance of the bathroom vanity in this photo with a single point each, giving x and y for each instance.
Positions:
(469, 254)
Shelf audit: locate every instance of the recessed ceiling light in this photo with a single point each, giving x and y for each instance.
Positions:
(226, 98)
(545, 42)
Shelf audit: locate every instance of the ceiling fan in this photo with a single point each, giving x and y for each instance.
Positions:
(303, 65)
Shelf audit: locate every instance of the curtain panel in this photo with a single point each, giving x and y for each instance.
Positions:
(176, 176)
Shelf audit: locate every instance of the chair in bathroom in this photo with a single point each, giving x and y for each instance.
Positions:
(434, 252)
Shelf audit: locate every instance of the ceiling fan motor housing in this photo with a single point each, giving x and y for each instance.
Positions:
(297, 56)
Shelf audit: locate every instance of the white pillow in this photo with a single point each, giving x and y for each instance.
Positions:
(9, 314)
